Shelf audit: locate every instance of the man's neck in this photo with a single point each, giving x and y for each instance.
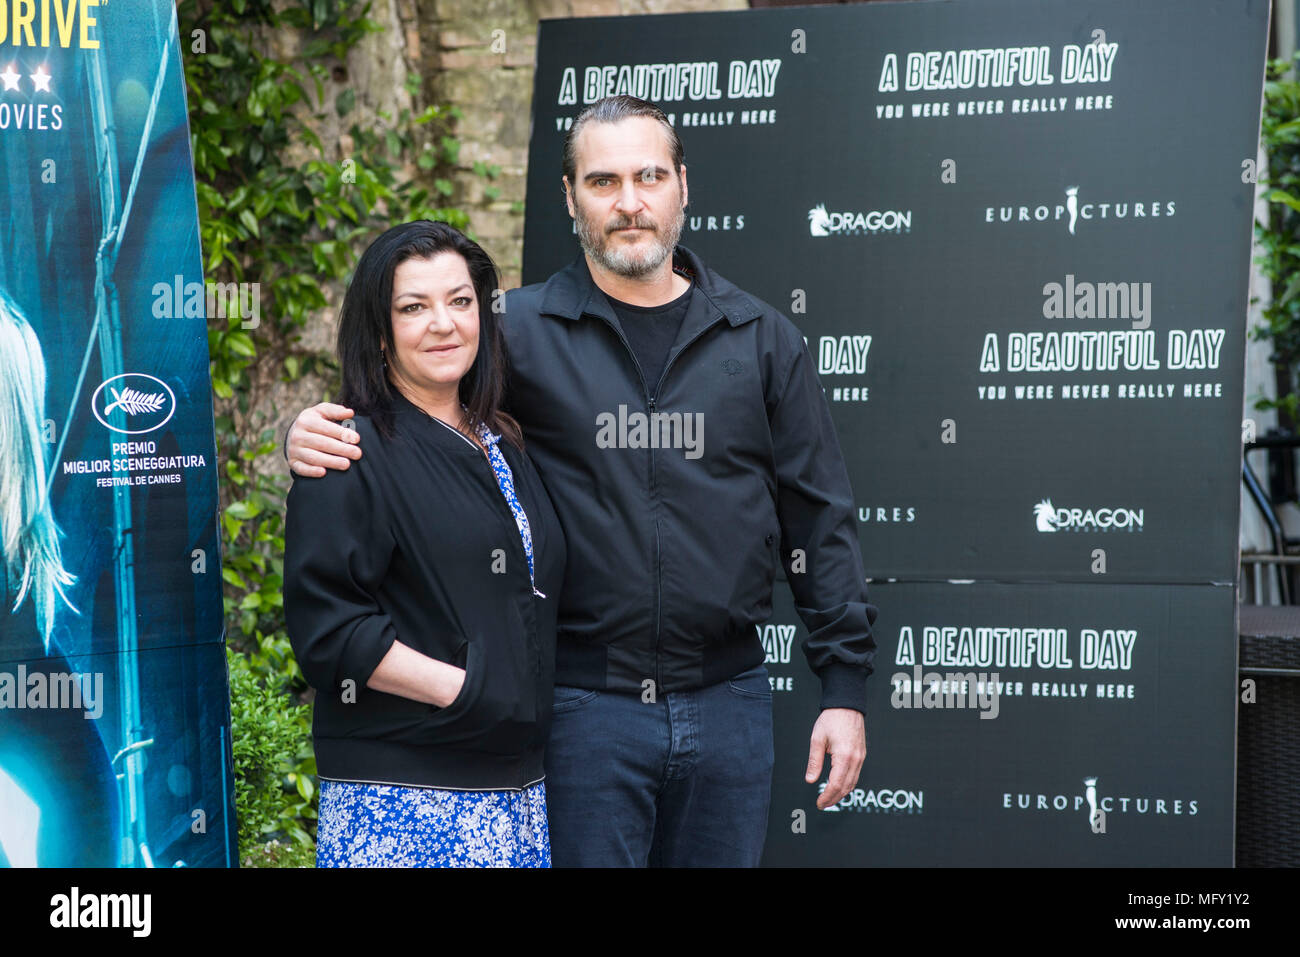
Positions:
(661, 287)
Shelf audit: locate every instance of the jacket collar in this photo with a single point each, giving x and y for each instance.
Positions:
(571, 292)
(403, 405)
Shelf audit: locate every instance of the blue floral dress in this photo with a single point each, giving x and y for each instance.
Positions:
(384, 825)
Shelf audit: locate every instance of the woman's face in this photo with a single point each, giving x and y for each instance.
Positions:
(435, 326)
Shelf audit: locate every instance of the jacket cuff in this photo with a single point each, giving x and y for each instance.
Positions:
(367, 647)
(844, 686)
(284, 442)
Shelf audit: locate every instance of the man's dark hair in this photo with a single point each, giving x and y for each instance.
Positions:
(612, 109)
(366, 328)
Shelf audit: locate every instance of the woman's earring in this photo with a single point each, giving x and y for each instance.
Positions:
(383, 362)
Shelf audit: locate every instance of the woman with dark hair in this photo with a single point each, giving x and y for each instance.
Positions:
(420, 583)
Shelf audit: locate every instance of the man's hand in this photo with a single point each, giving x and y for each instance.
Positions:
(316, 443)
(841, 733)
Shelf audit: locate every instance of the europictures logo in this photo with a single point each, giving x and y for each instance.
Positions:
(133, 403)
(1049, 518)
(1096, 805)
(726, 222)
(852, 223)
(1073, 210)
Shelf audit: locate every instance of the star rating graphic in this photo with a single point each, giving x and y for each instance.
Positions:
(40, 79)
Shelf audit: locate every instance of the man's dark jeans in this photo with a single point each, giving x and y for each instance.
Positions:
(683, 781)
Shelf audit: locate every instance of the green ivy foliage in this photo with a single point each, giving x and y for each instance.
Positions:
(266, 738)
(282, 209)
(1279, 237)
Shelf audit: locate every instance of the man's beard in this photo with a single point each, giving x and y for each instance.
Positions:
(596, 243)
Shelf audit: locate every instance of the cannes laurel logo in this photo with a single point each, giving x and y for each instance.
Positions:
(133, 403)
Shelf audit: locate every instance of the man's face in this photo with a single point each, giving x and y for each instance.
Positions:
(627, 203)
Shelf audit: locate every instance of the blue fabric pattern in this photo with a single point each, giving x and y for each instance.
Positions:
(506, 480)
(381, 825)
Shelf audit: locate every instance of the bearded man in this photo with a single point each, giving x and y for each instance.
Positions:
(688, 448)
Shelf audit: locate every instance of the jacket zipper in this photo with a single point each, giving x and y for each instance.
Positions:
(659, 592)
(650, 401)
(514, 526)
(673, 358)
(650, 407)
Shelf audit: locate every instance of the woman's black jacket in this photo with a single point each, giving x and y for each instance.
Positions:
(415, 543)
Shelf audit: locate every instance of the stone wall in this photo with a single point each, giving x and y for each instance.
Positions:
(479, 55)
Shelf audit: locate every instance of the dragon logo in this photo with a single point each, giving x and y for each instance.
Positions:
(1045, 513)
(819, 220)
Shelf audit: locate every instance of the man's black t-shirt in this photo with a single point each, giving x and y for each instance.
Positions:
(651, 332)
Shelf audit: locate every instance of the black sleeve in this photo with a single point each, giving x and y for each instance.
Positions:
(816, 511)
(337, 547)
(284, 442)
(507, 333)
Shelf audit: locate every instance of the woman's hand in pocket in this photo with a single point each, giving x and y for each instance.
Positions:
(451, 685)
(411, 674)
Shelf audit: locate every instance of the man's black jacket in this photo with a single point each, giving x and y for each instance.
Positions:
(673, 550)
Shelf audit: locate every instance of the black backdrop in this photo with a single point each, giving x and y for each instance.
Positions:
(1022, 457)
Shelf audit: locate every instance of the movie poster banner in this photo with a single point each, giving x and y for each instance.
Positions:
(1016, 238)
(114, 699)
(1021, 725)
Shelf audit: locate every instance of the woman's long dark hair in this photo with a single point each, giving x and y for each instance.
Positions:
(366, 328)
